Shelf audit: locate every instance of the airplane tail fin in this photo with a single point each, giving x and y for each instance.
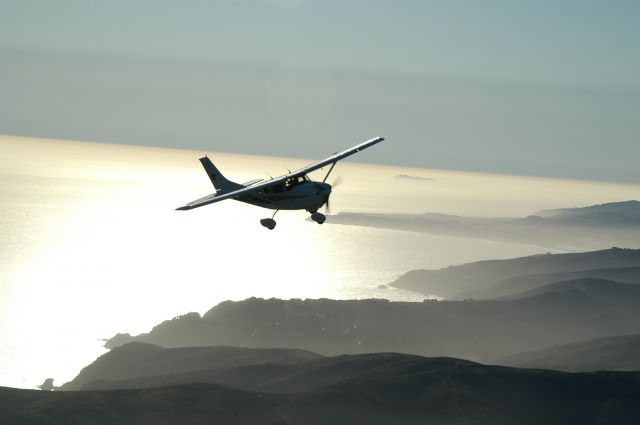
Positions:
(219, 181)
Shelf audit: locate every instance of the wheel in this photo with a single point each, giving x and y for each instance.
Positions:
(318, 217)
(269, 223)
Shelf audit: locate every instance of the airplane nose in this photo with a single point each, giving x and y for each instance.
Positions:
(324, 188)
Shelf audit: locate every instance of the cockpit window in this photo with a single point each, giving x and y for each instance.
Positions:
(294, 181)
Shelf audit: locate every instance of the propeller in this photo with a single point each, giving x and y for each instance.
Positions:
(337, 182)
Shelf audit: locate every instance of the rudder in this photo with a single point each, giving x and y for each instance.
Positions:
(219, 181)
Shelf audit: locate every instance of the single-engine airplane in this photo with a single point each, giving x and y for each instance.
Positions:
(293, 191)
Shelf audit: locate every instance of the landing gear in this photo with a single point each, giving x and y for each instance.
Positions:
(269, 223)
(318, 217)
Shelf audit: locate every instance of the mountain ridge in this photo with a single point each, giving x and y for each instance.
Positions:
(482, 330)
(451, 282)
(584, 228)
(520, 284)
(140, 360)
(398, 389)
(617, 353)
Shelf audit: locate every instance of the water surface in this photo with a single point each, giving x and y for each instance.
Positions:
(91, 244)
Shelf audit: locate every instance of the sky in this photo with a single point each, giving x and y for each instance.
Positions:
(545, 88)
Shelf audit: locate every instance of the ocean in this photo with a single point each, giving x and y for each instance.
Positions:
(92, 244)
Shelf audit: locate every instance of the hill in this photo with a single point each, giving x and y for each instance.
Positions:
(140, 360)
(602, 289)
(616, 223)
(455, 281)
(519, 284)
(612, 353)
(392, 389)
(271, 377)
(476, 330)
(613, 214)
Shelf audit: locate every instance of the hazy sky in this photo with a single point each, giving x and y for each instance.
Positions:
(540, 88)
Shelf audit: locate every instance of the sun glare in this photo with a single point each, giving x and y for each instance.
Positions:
(94, 245)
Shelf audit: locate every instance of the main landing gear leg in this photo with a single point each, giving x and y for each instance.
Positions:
(269, 223)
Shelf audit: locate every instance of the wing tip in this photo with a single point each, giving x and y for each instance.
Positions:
(184, 208)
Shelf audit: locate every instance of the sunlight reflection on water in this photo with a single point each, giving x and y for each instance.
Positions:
(92, 245)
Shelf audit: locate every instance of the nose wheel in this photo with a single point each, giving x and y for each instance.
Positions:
(318, 217)
(269, 223)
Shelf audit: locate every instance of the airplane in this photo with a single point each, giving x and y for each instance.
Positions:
(293, 191)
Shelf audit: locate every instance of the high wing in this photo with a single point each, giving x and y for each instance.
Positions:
(335, 157)
(221, 196)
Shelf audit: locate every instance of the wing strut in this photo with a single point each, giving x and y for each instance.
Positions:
(329, 172)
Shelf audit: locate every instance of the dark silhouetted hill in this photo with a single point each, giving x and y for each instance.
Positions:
(455, 281)
(612, 353)
(391, 389)
(613, 214)
(601, 289)
(519, 284)
(612, 224)
(269, 377)
(140, 360)
(476, 330)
